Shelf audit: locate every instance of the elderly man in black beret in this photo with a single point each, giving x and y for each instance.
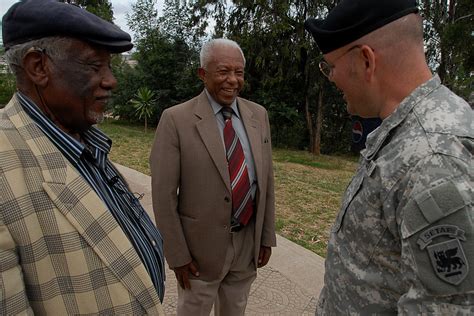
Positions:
(73, 238)
(403, 241)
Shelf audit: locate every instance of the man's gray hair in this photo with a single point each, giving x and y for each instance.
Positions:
(54, 46)
(207, 48)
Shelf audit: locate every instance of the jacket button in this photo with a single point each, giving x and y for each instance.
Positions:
(227, 199)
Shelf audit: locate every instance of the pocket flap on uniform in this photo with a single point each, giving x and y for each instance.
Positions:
(430, 206)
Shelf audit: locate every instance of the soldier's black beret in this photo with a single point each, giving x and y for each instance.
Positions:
(352, 19)
(34, 19)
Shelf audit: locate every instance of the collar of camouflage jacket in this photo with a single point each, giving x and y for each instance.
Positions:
(377, 138)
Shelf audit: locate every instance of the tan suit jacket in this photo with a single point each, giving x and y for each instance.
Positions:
(61, 251)
(191, 186)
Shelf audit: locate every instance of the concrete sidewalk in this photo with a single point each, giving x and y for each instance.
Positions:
(288, 285)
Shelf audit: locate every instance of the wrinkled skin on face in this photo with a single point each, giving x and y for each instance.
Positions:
(79, 87)
(223, 76)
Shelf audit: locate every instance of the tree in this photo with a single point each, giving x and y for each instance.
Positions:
(129, 80)
(143, 20)
(102, 8)
(144, 103)
(167, 60)
(7, 86)
(305, 110)
(176, 23)
(7, 81)
(282, 68)
(450, 42)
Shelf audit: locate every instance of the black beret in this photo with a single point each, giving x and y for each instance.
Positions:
(33, 19)
(352, 19)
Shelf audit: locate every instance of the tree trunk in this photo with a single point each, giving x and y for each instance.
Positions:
(309, 124)
(319, 124)
(308, 115)
(145, 124)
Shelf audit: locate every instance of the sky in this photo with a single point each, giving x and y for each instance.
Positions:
(120, 7)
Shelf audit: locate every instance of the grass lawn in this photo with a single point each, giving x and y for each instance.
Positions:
(308, 188)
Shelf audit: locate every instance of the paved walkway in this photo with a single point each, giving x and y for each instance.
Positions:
(288, 285)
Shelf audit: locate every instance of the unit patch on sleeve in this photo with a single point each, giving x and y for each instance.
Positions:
(447, 257)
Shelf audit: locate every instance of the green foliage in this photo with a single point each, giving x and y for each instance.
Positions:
(7, 81)
(286, 125)
(167, 61)
(336, 135)
(168, 67)
(449, 36)
(281, 63)
(102, 8)
(7, 86)
(306, 111)
(143, 19)
(283, 74)
(128, 82)
(144, 103)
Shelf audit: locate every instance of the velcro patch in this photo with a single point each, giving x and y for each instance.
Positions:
(431, 206)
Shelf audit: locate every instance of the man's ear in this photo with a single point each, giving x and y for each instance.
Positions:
(369, 59)
(35, 67)
(202, 74)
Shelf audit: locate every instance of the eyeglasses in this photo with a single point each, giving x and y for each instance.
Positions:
(326, 68)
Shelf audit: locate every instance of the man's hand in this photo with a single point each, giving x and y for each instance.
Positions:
(182, 274)
(264, 256)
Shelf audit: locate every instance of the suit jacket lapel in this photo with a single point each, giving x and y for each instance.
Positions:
(78, 202)
(209, 132)
(254, 134)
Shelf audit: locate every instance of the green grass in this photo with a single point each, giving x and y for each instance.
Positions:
(308, 191)
(308, 159)
(308, 188)
(130, 144)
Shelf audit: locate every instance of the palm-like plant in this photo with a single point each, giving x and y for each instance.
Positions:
(143, 102)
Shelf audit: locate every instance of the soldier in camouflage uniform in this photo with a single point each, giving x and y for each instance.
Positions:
(403, 241)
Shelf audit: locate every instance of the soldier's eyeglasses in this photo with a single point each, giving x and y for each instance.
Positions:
(327, 68)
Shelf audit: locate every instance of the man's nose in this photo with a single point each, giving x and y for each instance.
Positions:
(108, 79)
(232, 76)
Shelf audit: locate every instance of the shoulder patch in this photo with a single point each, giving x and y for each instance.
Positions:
(447, 258)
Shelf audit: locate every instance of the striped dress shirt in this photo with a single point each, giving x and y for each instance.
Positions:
(92, 163)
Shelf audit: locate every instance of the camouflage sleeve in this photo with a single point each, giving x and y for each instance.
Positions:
(437, 237)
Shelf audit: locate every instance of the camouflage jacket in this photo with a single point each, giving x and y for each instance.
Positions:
(403, 241)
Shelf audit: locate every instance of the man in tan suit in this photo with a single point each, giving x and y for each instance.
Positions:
(73, 238)
(217, 220)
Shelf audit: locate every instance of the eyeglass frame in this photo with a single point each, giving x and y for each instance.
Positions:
(330, 66)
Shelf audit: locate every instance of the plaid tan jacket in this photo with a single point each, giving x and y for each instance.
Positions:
(61, 251)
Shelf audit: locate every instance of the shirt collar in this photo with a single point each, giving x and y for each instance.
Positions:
(94, 139)
(216, 107)
(97, 142)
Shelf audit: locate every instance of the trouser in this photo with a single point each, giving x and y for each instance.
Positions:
(230, 292)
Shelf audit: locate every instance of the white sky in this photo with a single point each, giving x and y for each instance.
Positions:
(120, 7)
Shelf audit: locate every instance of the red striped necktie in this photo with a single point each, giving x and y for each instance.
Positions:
(242, 204)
